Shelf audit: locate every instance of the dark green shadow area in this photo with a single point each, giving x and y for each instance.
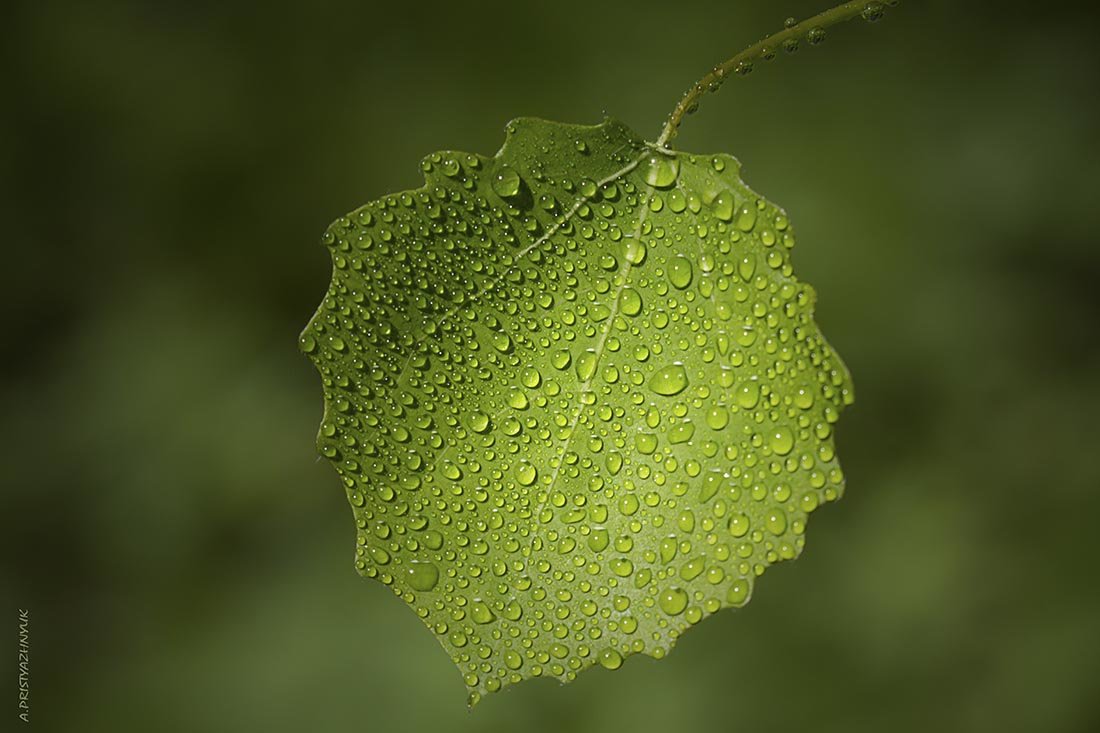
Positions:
(187, 561)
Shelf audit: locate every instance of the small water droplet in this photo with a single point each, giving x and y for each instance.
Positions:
(873, 12)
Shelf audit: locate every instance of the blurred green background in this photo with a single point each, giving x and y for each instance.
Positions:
(188, 562)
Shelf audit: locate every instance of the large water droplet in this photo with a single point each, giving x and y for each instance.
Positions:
(781, 440)
(505, 182)
(669, 380)
(681, 433)
(661, 170)
(422, 576)
(717, 417)
(748, 394)
(586, 364)
(746, 216)
(673, 601)
(526, 473)
(723, 206)
(776, 521)
(631, 302)
(479, 422)
(622, 567)
(481, 613)
(739, 525)
(680, 272)
(738, 593)
(611, 659)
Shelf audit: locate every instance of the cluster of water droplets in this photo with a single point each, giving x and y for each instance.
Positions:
(575, 395)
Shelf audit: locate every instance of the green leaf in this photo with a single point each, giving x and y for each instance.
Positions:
(576, 397)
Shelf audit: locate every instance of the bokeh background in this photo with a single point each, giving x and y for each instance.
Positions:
(168, 170)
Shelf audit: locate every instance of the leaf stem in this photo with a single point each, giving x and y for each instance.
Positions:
(788, 38)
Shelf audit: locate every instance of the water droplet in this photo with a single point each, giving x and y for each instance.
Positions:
(631, 302)
(673, 601)
(526, 473)
(692, 569)
(661, 170)
(635, 252)
(679, 272)
(517, 399)
(611, 659)
(622, 567)
(586, 365)
(646, 443)
(717, 417)
(748, 394)
(776, 521)
(746, 216)
(738, 593)
(451, 470)
(739, 525)
(480, 613)
(669, 380)
(668, 549)
(531, 378)
(781, 440)
(681, 433)
(422, 576)
(479, 422)
(723, 206)
(505, 182)
(873, 12)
